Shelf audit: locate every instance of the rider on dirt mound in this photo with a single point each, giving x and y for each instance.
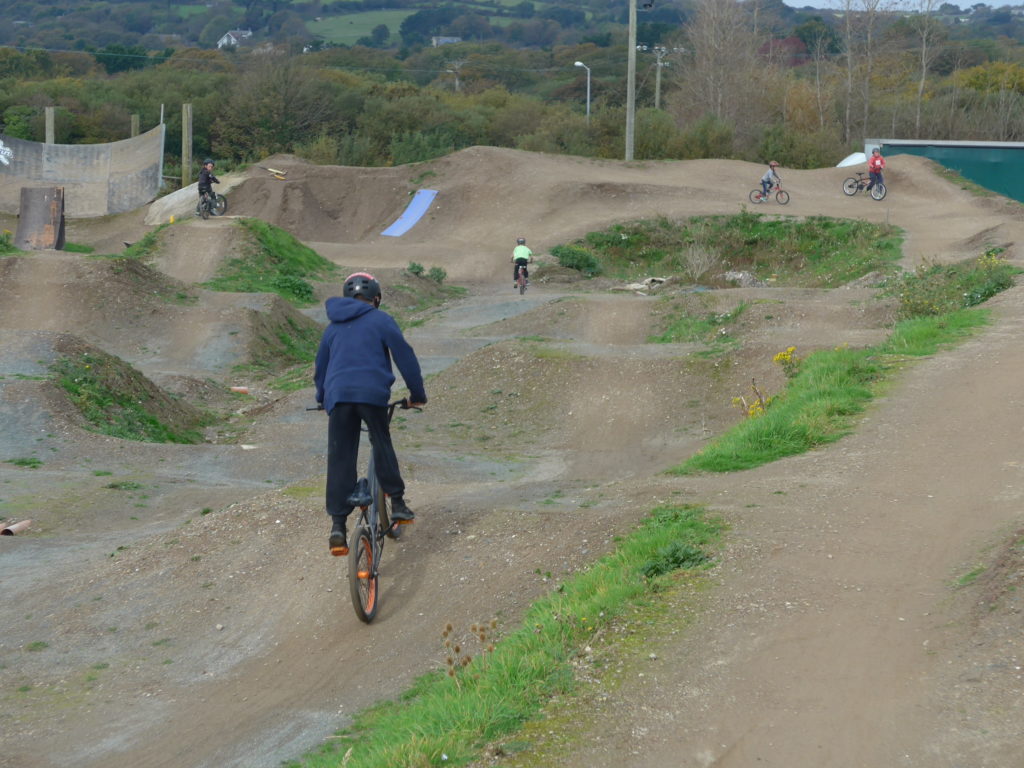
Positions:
(353, 378)
(206, 180)
(521, 256)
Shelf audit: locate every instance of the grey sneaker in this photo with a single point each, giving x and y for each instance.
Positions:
(400, 513)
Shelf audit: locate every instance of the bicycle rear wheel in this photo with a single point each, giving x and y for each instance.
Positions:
(363, 582)
(522, 285)
(782, 197)
(878, 192)
(204, 208)
(755, 196)
(850, 186)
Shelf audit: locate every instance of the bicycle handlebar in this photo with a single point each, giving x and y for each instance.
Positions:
(402, 404)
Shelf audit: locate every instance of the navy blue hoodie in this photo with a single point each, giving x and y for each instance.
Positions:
(353, 364)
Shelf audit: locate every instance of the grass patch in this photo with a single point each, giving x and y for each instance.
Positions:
(814, 252)
(124, 485)
(816, 408)
(114, 399)
(275, 262)
(78, 248)
(28, 462)
(449, 716)
(350, 27)
(143, 249)
(970, 577)
(711, 328)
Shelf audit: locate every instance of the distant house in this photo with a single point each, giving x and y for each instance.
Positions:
(438, 40)
(234, 37)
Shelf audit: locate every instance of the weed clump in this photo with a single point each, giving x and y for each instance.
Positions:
(938, 289)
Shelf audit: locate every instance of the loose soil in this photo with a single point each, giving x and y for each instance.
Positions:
(175, 605)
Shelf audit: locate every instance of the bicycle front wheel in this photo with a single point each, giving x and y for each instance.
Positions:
(363, 582)
(782, 197)
(878, 192)
(850, 186)
(755, 196)
(220, 206)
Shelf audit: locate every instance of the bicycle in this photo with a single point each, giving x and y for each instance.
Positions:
(521, 282)
(373, 524)
(852, 186)
(212, 204)
(781, 195)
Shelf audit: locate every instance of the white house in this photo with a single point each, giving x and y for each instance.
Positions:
(234, 37)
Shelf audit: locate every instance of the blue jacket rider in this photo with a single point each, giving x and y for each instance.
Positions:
(353, 378)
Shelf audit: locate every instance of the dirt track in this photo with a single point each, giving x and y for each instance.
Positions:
(227, 640)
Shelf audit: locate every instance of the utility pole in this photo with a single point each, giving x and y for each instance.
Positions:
(186, 144)
(455, 67)
(660, 52)
(631, 82)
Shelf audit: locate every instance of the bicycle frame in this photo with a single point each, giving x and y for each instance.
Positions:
(521, 278)
(372, 525)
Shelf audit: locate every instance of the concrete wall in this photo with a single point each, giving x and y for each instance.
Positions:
(98, 179)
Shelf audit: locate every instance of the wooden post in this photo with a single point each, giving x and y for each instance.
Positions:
(186, 145)
(135, 125)
(50, 132)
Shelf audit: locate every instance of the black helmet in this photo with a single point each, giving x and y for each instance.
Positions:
(361, 284)
(208, 161)
(520, 241)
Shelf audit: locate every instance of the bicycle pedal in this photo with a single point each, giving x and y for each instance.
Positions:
(339, 551)
(395, 523)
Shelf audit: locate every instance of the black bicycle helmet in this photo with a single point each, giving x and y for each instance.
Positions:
(520, 241)
(208, 161)
(361, 284)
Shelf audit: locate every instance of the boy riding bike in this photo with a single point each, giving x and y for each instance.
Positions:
(353, 378)
(206, 181)
(770, 179)
(521, 257)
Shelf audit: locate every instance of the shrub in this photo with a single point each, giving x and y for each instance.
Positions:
(577, 257)
(437, 274)
(414, 268)
(292, 287)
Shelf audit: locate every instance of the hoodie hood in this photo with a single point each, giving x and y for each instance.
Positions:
(341, 309)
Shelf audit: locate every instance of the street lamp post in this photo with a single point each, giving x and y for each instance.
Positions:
(581, 64)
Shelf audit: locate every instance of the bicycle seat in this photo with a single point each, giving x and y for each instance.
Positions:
(361, 495)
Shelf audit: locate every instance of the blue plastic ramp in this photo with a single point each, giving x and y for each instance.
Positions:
(413, 212)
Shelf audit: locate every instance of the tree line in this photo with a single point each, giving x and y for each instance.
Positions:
(733, 81)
